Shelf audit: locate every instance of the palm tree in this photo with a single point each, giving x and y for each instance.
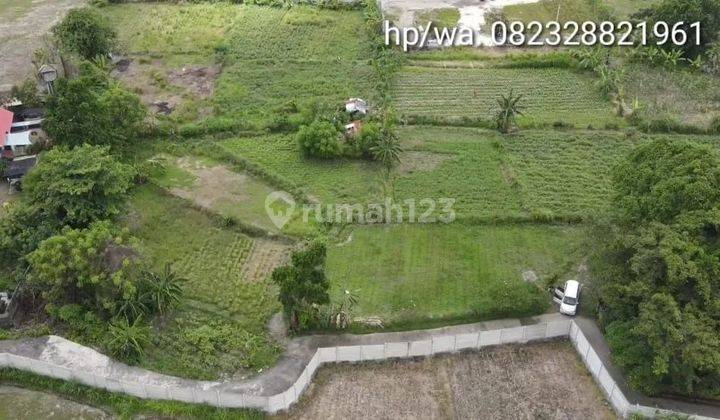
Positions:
(509, 109)
(162, 291)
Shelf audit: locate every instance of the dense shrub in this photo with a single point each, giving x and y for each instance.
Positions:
(319, 139)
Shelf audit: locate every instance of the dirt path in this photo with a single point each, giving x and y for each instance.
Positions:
(531, 381)
(22, 27)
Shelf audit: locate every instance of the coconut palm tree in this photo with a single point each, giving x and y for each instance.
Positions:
(509, 109)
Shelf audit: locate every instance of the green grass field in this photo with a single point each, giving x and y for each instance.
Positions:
(217, 297)
(179, 34)
(338, 181)
(278, 60)
(414, 273)
(521, 175)
(550, 95)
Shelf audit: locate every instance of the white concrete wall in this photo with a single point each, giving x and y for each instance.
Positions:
(439, 344)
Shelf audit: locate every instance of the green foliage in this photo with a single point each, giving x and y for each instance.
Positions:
(127, 340)
(87, 267)
(707, 12)
(93, 109)
(509, 108)
(319, 139)
(27, 93)
(387, 149)
(664, 179)
(78, 186)
(162, 291)
(86, 32)
(658, 262)
(303, 283)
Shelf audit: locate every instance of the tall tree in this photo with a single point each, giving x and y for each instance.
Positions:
(86, 32)
(303, 283)
(658, 264)
(93, 109)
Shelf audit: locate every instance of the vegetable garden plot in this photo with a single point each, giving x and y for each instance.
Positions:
(549, 95)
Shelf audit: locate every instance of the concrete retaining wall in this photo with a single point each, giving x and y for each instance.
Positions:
(436, 344)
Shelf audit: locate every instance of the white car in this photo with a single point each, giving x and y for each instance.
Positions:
(568, 297)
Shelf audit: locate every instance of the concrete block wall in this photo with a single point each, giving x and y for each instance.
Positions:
(438, 344)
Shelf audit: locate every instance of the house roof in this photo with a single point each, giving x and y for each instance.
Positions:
(6, 119)
(19, 167)
(18, 139)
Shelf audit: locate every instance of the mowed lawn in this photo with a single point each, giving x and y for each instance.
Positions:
(549, 95)
(410, 274)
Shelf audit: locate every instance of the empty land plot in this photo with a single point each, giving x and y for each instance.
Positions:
(338, 181)
(467, 168)
(23, 23)
(215, 187)
(542, 380)
(494, 176)
(689, 97)
(549, 95)
(566, 173)
(277, 60)
(415, 274)
(179, 34)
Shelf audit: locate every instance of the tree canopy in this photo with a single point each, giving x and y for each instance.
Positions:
(707, 12)
(303, 283)
(86, 32)
(78, 186)
(92, 109)
(658, 264)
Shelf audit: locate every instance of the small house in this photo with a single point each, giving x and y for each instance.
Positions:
(356, 106)
(25, 128)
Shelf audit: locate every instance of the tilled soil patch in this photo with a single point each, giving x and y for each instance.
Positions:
(528, 381)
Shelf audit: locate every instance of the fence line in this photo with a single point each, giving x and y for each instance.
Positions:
(199, 392)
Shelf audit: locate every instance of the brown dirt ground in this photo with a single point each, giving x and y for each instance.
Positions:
(531, 381)
(167, 90)
(265, 257)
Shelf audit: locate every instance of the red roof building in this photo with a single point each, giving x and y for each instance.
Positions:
(6, 120)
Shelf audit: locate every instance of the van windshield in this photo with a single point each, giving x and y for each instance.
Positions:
(570, 300)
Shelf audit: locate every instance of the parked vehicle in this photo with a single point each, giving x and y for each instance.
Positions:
(568, 297)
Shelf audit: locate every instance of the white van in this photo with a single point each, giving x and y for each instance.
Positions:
(568, 297)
